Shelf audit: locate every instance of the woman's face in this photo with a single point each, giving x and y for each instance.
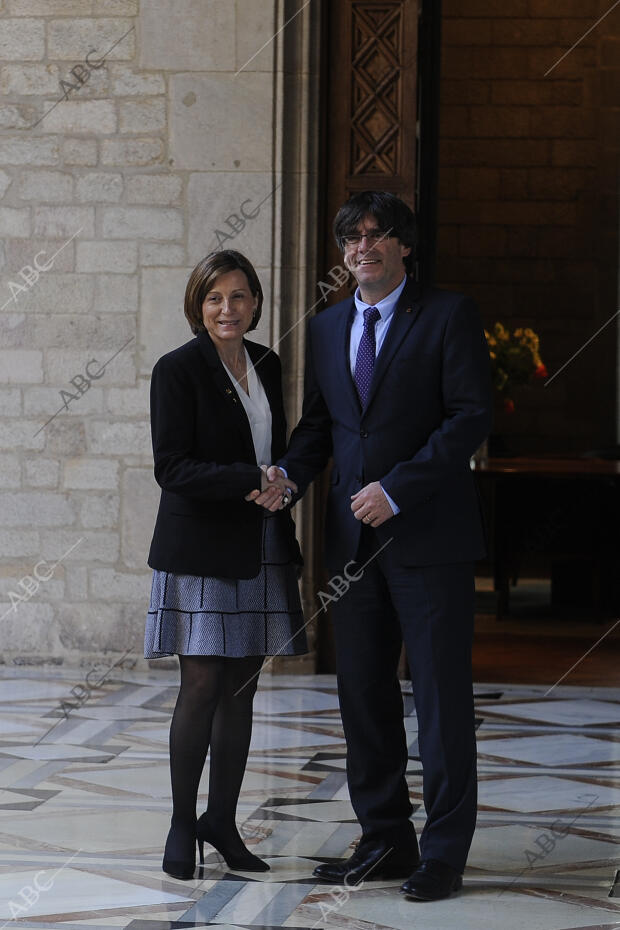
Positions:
(228, 308)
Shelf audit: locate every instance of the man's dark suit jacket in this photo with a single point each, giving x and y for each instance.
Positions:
(205, 463)
(429, 408)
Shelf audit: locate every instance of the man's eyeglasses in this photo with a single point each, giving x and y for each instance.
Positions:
(372, 237)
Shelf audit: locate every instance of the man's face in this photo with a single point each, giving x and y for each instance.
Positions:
(375, 262)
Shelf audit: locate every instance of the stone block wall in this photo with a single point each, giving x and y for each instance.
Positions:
(528, 211)
(135, 136)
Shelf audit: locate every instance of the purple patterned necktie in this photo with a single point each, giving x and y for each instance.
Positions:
(365, 360)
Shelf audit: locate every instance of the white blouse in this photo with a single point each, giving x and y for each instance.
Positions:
(257, 409)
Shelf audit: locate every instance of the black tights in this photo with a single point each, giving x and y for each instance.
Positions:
(209, 712)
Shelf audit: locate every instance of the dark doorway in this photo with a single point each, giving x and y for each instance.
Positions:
(378, 61)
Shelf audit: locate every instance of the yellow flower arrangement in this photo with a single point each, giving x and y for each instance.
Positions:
(515, 359)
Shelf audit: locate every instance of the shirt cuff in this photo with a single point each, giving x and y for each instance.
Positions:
(393, 504)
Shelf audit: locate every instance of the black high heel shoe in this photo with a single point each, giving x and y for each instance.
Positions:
(246, 862)
(180, 852)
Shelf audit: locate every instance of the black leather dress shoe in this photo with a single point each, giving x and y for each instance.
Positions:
(432, 881)
(370, 860)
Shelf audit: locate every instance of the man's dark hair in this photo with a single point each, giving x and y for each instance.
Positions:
(390, 212)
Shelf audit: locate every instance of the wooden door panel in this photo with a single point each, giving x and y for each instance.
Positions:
(370, 103)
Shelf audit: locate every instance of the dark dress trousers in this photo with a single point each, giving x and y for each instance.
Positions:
(205, 463)
(428, 409)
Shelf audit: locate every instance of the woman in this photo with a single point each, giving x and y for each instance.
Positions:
(224, 590)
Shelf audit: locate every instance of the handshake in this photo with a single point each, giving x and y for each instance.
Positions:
(276, 489)
(370, 505)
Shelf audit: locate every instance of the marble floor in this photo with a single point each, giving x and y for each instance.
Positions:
(84, 811)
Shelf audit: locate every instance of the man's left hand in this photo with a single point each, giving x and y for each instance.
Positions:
(371, 505)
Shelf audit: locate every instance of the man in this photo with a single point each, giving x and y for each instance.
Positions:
(398, 391)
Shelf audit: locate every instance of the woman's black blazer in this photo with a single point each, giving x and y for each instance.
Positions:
(205, 463)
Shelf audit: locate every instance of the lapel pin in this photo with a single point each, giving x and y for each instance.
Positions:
(228, 391)
(408, 310)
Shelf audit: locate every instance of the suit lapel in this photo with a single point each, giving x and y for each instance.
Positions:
(258, 353)
(405, 314)
(273, 389)
(342, 337)
(227, 391)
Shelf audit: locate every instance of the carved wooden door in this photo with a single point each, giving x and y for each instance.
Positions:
(369, 141)
(370, 104)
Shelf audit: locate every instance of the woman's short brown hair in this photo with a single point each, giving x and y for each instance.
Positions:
(203, 278)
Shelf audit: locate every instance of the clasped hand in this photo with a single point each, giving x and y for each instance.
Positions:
(371, 505)
(276, 489)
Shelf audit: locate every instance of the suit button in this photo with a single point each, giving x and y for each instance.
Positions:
(359, 479)
(364, 434)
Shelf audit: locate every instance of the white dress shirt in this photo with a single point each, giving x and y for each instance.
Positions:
(257, 409)
(386, 309)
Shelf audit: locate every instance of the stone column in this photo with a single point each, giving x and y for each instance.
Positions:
(136, 136)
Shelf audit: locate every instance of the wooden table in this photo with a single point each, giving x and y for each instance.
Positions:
(551, 465)
(556, 509)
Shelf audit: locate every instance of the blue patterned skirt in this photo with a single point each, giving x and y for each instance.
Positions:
(194, 615)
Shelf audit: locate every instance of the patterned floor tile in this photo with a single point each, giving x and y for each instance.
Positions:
(85, 807)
